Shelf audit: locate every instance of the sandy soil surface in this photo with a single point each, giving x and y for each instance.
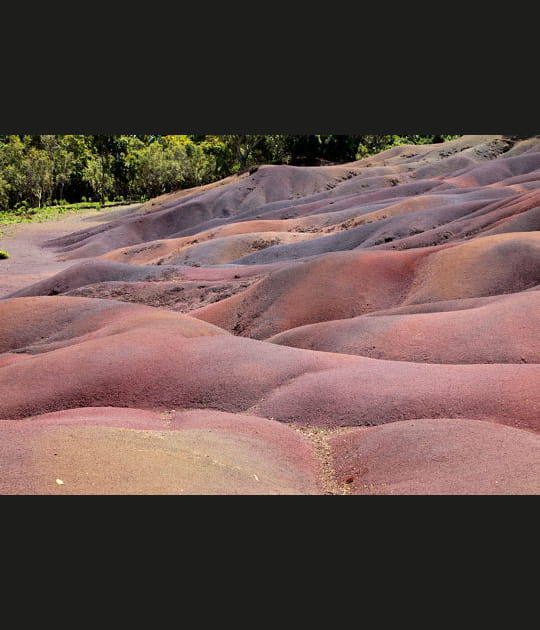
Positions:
(29, 261)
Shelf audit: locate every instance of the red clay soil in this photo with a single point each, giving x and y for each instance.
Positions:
(153, 359)
(163, 250)
(96, 271)
(441, 456)
(130, 451)
(177, 295)
(505, 330)
(223, 250)
(149, 366)
(375, 392)
(349, 284)
(363, 328)
(46, 323)
(490, 265)
(335, 286)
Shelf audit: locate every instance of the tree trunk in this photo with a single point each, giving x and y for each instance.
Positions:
(102, 180)
(242, 158)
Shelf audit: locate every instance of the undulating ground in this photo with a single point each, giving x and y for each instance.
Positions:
(363, 328)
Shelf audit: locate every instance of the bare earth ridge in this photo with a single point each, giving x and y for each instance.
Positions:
(352, 329)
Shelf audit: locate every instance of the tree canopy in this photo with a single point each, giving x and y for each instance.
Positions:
(37, 170)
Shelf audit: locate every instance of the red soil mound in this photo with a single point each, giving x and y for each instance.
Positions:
(275, 435)
(177, 295)
(406, 224)
(130, 451)
(503, 331)
(40, 324)
(93, 271)
(162, 250)
(349, 284)
(491, 265)
(160, 360)
(496, 170)
(527, 221)
(151, 365)
(117, 417)
(519, 213)
(335, 286)
(374, 392)
(438, 457)
(225, 249)
(99, 271)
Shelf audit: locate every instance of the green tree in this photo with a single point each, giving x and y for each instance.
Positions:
(196, 166)
(62, 160)
(37, 170)
(218, 150)
(63, 169)
(371, 144)
(239, 149)
(244, 146)
(4, 193)
(148, 171)
(98, 177)
(34, 169)
(11, 164)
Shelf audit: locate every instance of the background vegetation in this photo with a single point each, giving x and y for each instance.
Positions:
(57, 170)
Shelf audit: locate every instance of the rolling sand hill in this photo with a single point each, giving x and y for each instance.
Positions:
(361, 328)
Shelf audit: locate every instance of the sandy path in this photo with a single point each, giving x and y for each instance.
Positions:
(29, 261)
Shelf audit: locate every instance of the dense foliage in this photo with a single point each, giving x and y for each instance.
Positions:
(54, 169)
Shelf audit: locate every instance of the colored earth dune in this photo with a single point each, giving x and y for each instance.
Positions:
(362, 328)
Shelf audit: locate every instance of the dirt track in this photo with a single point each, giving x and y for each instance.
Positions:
(29, 261)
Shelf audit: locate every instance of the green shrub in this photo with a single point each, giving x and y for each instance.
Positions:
(3, 254)
(21, 206)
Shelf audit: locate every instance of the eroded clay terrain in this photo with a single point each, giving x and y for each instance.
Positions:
(363, 328)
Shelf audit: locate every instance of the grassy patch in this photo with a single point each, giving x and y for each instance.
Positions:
(51, 213)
